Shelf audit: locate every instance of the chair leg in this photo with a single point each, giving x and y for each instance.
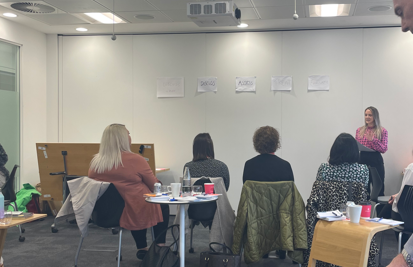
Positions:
(78, 250)
(400, 242)
(381, 247)
(153, 234)
(374, 210)
(120, 247)
(191, 249)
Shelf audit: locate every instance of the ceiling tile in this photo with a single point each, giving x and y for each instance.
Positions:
(127, 5)
(57, 19)
(158, 17)
(171, 4)
(323, 2)
(281, 12)
(248, 14)
(362, 9)
(243, 3)
(77, 6)
(177, 15)
(266, 3)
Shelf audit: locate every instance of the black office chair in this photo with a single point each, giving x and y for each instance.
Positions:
(10, 197)
(201, 213)
(405, 207)
(106, 213)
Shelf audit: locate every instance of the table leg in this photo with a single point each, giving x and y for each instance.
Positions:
(3, 233)
(182, 235)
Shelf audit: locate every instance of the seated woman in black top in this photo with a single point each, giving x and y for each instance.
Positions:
(267, 167)
(204, 162)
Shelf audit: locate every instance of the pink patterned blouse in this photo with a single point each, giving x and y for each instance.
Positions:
(375, 144)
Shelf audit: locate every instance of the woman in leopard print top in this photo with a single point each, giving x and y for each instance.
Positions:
(342, 165)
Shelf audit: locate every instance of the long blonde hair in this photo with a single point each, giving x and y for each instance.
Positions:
(115, 140)
(377, 126)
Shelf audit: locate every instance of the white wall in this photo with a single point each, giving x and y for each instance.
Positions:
(106, 82)
(33, 93)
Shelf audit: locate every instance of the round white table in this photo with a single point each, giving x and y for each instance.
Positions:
(181, 220)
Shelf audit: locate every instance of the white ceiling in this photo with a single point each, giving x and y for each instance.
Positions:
(170, 16)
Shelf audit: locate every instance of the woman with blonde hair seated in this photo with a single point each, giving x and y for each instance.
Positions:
(132, 177)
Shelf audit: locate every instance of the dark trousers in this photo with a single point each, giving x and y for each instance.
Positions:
(374, 159)
(388, 213)
(140, 235)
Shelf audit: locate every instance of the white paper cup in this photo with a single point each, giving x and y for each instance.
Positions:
(176, 189)
(355, 212)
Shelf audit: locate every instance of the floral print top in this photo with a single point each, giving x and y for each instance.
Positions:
(346, 172)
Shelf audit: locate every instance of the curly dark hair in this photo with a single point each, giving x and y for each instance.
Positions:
(266, 140)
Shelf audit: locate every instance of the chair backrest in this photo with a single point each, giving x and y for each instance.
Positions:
(405, 207)
(204, 211)
(8, 188)
(377, 183)
(108, 208)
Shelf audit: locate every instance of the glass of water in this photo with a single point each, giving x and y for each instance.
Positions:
(197, 190)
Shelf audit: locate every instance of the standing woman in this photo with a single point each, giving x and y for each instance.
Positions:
(373, 136)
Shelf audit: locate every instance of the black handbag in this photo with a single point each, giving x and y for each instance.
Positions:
(162, 256)
(217, 259)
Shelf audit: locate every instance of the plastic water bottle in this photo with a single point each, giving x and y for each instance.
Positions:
(1, 207)
(186, 181)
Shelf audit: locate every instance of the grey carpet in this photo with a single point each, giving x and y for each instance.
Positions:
(44, 248)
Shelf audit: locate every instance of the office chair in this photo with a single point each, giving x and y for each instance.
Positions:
(405, 207)
(201, 213)
(10, 197)
(106, 214)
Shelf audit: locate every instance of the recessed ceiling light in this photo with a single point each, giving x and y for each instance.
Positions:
(330, 10)
(105, 18)
(10, 15)
(81, 29)
(243, 25)
(144, 16)
(379, 8)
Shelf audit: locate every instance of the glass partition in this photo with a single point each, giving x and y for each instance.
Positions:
(10, 105)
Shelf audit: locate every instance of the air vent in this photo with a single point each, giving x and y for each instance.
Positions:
(207, 9)
(34, 8)
(196, 9)
(220, 8)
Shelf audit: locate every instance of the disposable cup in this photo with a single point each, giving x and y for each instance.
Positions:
(209, 188)
(176, 189)
(355, 212)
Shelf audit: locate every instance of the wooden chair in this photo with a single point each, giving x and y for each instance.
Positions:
(343, 243)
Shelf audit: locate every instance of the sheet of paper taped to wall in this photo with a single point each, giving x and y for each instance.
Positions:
(45, 154)
(146, 146)
(146, 159)
(42, 148)
(46, 195)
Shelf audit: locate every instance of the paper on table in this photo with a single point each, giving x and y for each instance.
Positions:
(385, 221)
(364, 149)
(331, 216)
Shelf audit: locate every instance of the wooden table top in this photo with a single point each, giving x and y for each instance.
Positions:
(362, 225)
(21, 220)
